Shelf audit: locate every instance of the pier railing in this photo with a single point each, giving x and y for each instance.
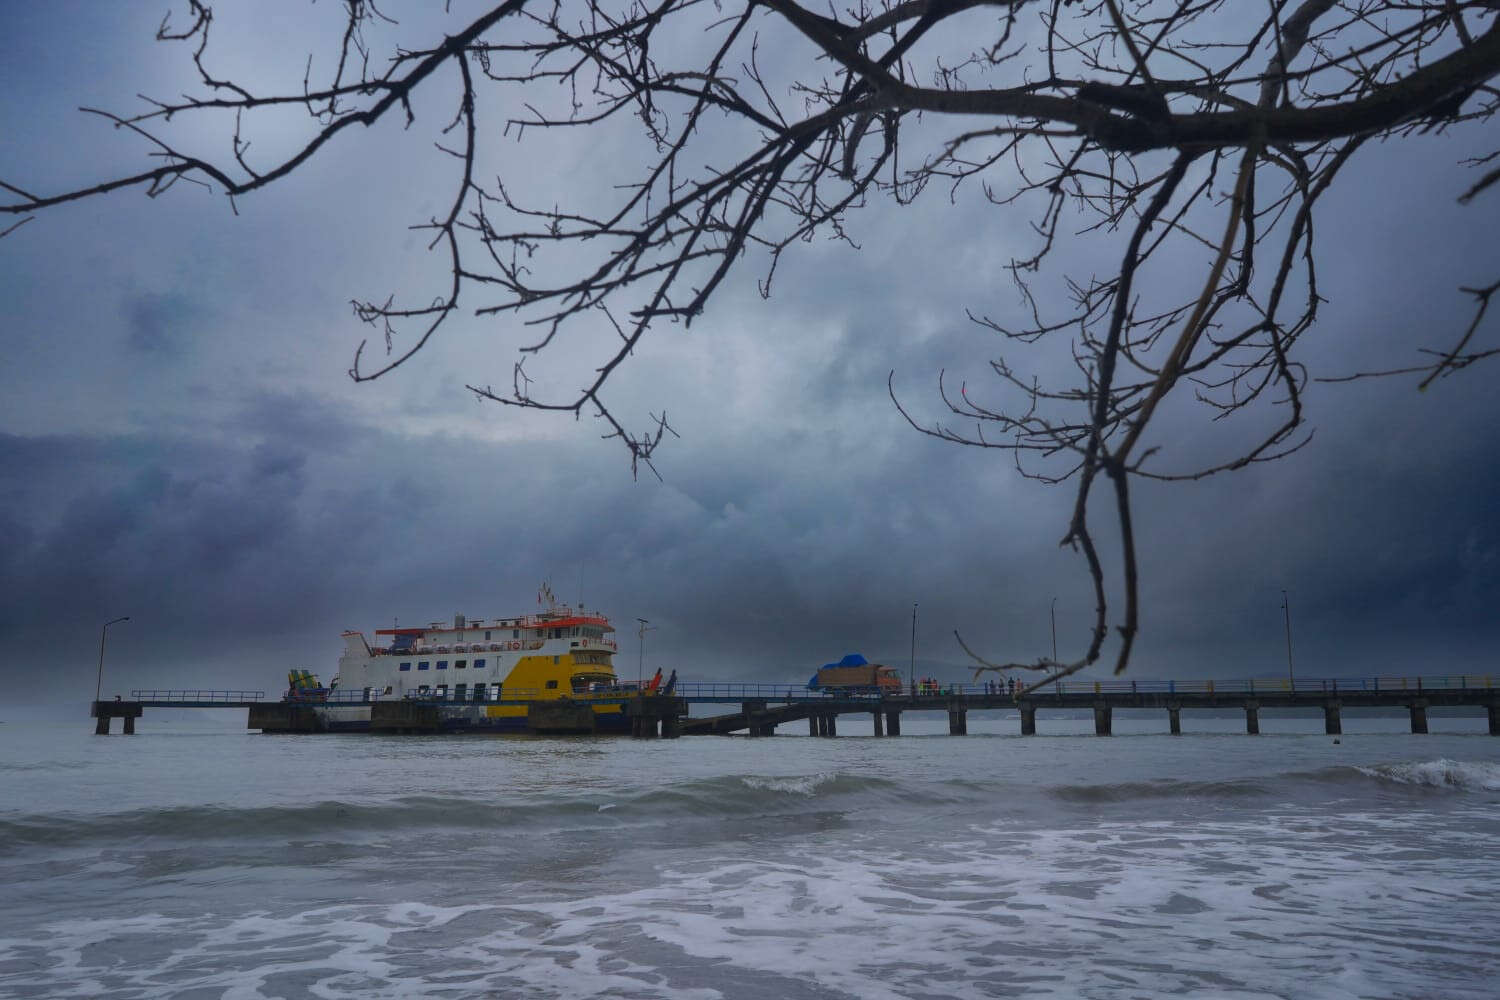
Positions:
(729, 692)
(1303, 685)
(196, 696)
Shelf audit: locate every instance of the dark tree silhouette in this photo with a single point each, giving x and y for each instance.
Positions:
(1163, 127)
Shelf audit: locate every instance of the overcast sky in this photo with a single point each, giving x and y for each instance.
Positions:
(180, 442)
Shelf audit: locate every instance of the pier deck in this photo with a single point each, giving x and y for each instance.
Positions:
(761, 708)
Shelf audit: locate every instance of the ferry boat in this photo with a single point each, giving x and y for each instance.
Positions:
(483, 674)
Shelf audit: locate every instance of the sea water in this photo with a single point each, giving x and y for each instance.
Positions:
(196, 860)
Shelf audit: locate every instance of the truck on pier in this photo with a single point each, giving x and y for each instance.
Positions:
(856, 675)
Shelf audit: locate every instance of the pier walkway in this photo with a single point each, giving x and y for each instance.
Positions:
(760, 708)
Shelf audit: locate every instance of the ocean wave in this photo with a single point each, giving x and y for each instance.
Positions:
(725, 795)
(1440, 773)
(1133, 790)
(795, 784)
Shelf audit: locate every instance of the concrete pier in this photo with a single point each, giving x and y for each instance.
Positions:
(761, 708)
(126, 711)
(565, 717)
(651, 716)
(755, 721)
(285, 717)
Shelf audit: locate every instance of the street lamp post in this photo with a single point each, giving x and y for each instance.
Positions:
(640, 672)
(1054, 630)
(99, 681)
(1286, 607)
(912, 671)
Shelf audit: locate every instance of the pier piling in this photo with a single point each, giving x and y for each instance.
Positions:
(1333, 724)
(1028, 718)
(893, 723)
(958, 722)
(812, 726)
(1174, 718)
(126, 711)
(879, 723)
(1103, 719)
(1419, 716)
(1252, 718)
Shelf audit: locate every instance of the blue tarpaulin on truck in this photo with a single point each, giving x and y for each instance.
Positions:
(851, 660)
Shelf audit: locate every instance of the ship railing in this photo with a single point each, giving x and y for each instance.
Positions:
(354, 695)
(187, 694)
(589, 643)
(507, 693)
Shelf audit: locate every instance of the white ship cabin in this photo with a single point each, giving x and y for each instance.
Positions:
(556, 653)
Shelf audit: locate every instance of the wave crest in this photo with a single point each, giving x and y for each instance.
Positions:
(805, 784)
(1440, 773)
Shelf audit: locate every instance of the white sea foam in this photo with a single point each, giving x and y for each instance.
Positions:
(807, 784)
(1291, 904)
(1441, 773)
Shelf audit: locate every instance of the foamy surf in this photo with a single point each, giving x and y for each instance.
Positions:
(1441, 773)
(775, 869)
(795, 784)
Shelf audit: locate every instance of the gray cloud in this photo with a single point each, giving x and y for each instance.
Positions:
(160, 324)
(193, 456)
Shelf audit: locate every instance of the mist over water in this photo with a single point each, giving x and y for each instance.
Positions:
(196, 860)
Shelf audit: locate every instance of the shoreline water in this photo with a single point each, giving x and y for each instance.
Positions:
(194, 860)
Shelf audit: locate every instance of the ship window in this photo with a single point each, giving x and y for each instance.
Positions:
(442, 664)
(515, 633)
(406, 665)
(551, 685)
(423, 664)
(460, 692)
(554, 660)
(478, 664)
(460, 664)
(486, 636)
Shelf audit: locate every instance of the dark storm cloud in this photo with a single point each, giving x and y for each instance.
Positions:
(213, 474)
(161, 324)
